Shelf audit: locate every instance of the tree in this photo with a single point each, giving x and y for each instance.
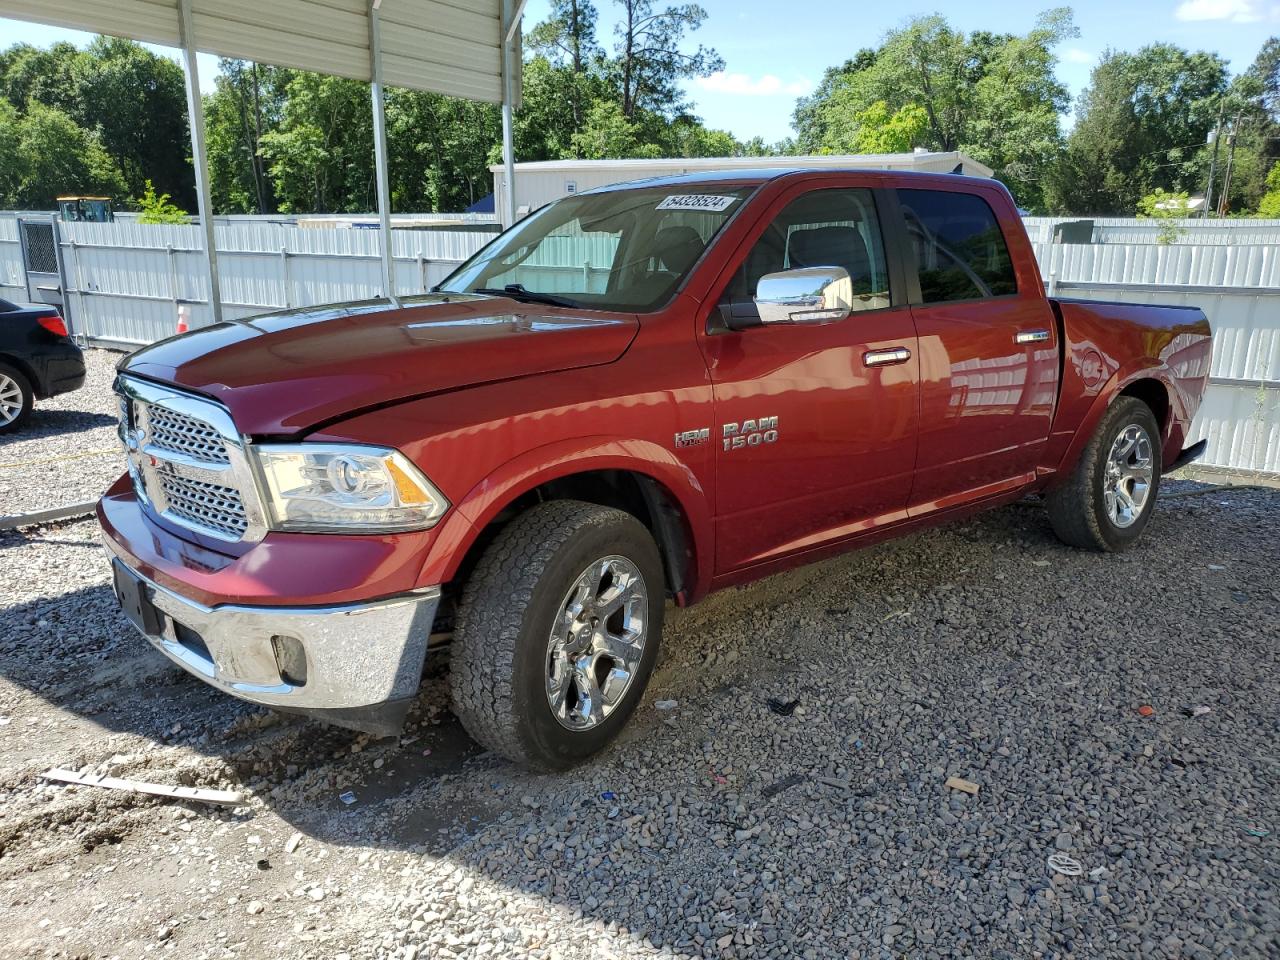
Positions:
(1168, 208)
(248, 102)
(1141, 124)
(994, 96)
(1269, 208)
(649, 60)
(321, 155)
(159, 208)
(609, 133)
(137, 101)
(57, 156)
(567, 39)
(439, 150)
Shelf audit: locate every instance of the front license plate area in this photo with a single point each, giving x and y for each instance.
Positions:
(137, 606)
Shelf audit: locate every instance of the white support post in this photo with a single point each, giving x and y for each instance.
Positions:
(199, 159)
(507, 36)
(380, 150)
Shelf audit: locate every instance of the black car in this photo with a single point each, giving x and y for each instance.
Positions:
(37, 359)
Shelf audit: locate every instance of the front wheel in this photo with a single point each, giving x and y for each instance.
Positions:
(1108, 500)
(557, 632)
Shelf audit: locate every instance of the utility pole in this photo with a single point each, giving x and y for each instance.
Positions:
(1226, 176)
(1213, 163)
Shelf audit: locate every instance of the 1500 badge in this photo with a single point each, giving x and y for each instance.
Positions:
(750, 433)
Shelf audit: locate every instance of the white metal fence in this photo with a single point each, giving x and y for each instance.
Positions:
(124, 281)
(1141, 230)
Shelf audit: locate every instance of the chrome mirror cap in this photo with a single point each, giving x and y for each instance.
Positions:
(805, 295)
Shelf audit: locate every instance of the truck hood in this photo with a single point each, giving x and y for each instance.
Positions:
(287, 372)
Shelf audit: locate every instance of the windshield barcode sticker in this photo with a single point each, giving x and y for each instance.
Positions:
(697, 201)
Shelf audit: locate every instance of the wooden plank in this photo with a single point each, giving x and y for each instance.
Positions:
(48, 516)
(225, 797)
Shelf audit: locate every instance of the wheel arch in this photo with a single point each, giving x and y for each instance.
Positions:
(635, 476)
(1148, 383)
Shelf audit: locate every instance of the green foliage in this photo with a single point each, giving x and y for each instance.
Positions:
(1269, 206)
(994, 96)
(1170, 209)
(1142, 124)
(44, 153)
(131, 100)
(159, 208)
(650, 56)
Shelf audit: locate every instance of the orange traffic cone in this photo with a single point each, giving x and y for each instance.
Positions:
(184, 319)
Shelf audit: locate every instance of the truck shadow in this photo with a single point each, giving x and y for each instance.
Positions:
(94, 666)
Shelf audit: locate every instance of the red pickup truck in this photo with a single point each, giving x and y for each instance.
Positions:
(645, 392)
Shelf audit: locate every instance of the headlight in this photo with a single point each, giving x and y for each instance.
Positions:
(341, 488)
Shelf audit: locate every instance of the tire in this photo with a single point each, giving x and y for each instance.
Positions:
(1103, 506)
(506, 664)
(16, 399)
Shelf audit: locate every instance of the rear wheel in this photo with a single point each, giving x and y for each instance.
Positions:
(16, 399)
(557, 633)
(1109, 498)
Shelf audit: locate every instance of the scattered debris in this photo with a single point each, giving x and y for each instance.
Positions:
(1041, 563)
(837, 611)
(608, 795)
(348, 798)
(959, 783)
(858, 744)
(836, 782)
(1257, 832)
(786, 783)
(225, 797)
(292, 843)
(1146, 710)
(665, 705)
(1065, 865)
(782, 708)
(1197, 711)
(1216, 566)
(255, 907)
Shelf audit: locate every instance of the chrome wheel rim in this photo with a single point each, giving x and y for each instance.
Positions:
(1130, 470)
(597, 643)
(10, 400)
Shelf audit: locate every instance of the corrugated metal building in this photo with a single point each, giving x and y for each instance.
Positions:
(537, 184)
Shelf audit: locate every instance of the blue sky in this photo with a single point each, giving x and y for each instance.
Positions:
(776, 51)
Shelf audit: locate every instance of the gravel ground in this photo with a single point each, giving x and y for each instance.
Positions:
(722, 827)
(68, 451)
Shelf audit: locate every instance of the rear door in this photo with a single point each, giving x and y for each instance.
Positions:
(988, 350)
(814, 430)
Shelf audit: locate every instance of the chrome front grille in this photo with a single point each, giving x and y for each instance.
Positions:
(188, 462)
(203, 504)
(179, 433)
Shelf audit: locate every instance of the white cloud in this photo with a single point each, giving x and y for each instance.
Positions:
(1076, 55)
(1235, 11)
(744, 85)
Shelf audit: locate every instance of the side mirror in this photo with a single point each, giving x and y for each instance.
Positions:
(805, 295)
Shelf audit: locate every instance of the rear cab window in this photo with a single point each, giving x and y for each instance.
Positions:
(959, 249)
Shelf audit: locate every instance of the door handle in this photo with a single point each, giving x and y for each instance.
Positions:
(882, 358)
(1032, 336)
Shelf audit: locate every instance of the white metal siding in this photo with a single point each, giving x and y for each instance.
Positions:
(446, 47)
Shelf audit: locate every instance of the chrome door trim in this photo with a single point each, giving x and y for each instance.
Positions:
(882, 358)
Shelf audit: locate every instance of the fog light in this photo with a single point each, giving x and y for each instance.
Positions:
(291, 660)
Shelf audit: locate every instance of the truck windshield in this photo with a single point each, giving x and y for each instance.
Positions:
(619, 250)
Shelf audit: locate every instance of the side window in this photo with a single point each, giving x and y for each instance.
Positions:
(823, 228)
(959, 249)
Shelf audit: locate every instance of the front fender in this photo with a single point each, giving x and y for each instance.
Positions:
(461, 526)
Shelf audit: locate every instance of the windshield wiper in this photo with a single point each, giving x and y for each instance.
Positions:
(517, 291)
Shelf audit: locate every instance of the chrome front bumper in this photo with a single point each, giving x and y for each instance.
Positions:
(356, 665)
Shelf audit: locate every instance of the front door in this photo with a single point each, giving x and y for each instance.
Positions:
(815, 433)
(988, 353)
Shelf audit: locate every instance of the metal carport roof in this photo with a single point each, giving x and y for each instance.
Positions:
(463, 48)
